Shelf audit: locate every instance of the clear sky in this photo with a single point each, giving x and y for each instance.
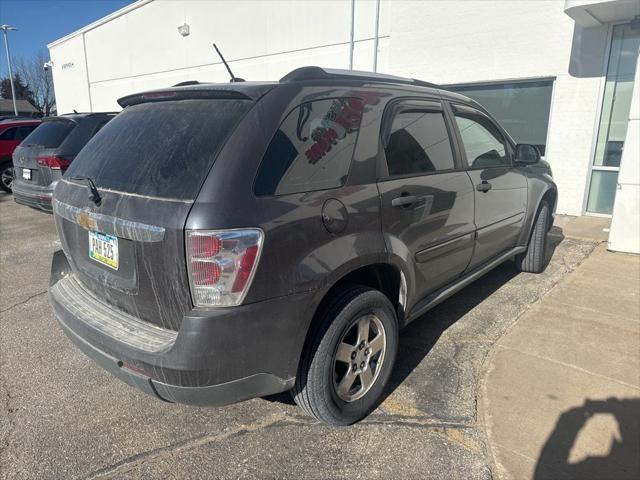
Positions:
(41, 21)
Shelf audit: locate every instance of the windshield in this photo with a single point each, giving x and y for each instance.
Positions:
(160, 149)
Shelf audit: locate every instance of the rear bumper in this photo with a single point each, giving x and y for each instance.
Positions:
(34, 196)
(217, 357)
(256, 385)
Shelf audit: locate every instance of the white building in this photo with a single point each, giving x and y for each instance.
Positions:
(557, 74)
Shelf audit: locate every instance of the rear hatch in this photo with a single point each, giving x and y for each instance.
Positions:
(37, 154)
(148, 165)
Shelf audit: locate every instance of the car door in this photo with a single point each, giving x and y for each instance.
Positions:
(500, 189)
(426, 196)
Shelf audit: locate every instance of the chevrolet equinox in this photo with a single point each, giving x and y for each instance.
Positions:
(228, 241)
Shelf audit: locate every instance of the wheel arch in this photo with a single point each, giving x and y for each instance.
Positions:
(548, 194)
(382, 276)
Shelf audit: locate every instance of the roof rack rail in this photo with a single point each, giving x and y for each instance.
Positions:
(318, 73)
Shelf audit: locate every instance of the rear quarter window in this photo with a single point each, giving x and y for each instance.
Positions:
(312, 149)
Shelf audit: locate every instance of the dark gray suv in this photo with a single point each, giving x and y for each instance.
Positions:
(42, 158)
(229, 241)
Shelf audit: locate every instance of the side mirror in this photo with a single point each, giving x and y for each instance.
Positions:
(527, 154)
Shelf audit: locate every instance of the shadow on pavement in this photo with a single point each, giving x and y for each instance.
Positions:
(420, 336)
(623, 459)
(434, 323)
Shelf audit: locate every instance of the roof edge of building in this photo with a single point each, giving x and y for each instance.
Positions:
(101, 21)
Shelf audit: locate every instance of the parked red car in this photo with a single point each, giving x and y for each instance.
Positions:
(12, 132)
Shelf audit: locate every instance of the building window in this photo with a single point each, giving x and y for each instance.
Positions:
(522, 108)
(614, 119)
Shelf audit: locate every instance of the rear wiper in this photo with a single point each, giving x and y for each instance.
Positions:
(94, 195)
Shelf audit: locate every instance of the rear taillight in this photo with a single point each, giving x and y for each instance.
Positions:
(221, 265)
(54, 162)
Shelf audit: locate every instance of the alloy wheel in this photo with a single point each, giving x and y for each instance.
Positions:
(359, 357)
(6, 177)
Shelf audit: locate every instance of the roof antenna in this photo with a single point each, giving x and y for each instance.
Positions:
(234, 79)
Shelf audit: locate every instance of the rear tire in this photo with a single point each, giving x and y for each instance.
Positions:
(6, 175)
(534, 259)
(348, 357)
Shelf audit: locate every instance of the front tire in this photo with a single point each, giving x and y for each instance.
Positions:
(348, 357)
(6, 175)
(534, 259)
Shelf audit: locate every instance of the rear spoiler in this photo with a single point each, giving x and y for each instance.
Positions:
(193, 92)
(59, 118)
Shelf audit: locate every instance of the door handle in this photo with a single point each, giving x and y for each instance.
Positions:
(403, 200)
(484, 186)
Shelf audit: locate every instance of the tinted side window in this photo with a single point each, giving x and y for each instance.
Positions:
(8, 134)
(418, 143)
(483, 143)
(312, 149)
(23, 132)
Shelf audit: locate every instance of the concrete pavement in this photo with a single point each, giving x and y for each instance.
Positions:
(584, 228)
(561, 396)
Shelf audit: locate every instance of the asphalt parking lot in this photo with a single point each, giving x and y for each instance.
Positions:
(61, 416)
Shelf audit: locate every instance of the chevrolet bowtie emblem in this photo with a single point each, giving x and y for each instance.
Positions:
(85, 220)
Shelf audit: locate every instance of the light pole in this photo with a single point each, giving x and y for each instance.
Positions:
(5, 29)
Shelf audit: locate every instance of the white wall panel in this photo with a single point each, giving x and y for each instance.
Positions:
(70, 76)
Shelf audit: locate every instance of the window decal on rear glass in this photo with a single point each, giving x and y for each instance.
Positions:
(342, 119)
(312, 149)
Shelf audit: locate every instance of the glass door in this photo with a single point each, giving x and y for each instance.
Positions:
(614, 119)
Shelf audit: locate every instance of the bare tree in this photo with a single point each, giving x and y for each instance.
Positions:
(37, 76)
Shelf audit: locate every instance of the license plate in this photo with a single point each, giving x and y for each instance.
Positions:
(26, 173)
(104, 249)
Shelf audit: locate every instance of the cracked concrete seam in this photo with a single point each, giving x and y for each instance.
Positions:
(449, 431)
(133, 461)
(26, 300)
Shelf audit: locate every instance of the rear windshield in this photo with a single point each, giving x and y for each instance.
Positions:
(50, 134)
(161, 149)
